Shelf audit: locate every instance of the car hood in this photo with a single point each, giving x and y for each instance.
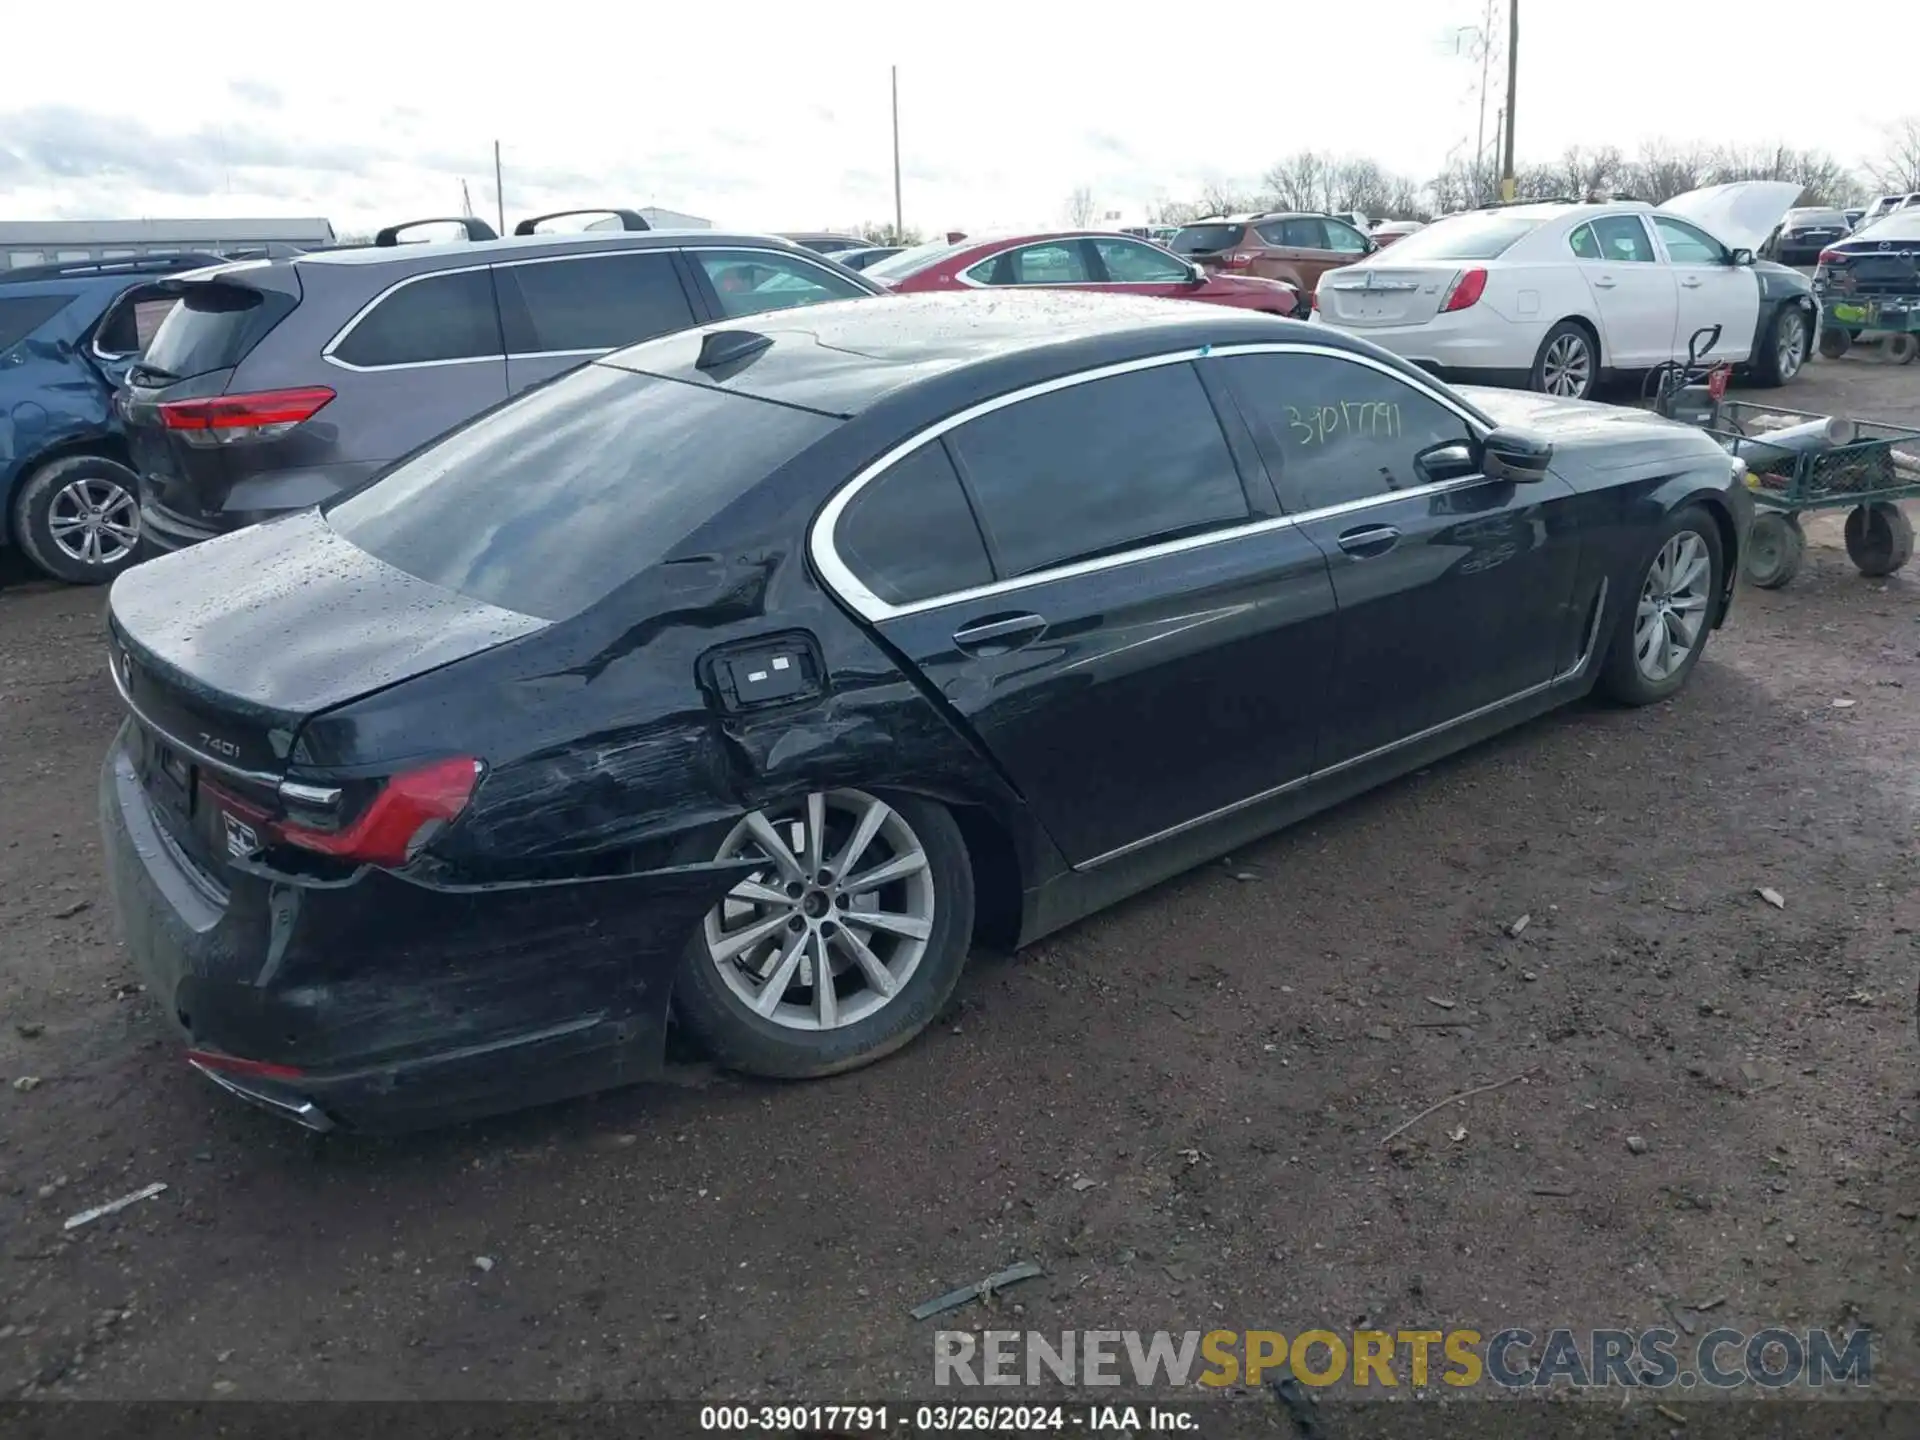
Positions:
(1740, 214)
(1603, 437)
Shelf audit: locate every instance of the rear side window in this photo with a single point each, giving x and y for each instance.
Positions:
(553, 500)
(435, 319)
(910, 534)
(1204, 239)
(1100, 468)
(21, 315)
(751, 282)
(213, 327)
(1300, 233)
(1623, 240)
(598, 302)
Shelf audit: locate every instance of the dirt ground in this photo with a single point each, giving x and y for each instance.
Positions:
(1220, 1058)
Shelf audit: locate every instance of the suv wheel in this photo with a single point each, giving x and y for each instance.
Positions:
(78, 519)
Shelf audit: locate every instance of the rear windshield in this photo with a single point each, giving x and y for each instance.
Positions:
(547, 504)
(916, 258)
(1465, 237)
(21, 315)
(1199, 239)
(212, 328)
(1900, 225)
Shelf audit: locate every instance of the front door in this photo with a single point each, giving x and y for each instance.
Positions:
(1454, 591)
(1133, 267)
(1632, 291)
(1711, 289)
(1086, 577)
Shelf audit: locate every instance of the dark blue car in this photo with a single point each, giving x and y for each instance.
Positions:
(68, 333)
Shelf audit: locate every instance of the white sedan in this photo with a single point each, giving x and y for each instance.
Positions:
(1554, 296)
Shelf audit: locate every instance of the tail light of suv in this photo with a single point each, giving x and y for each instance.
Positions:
(236, 419)
(1239, 259)
(1465, 291)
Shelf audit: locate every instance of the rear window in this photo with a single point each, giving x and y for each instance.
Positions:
(213, 327)
(548, 503)
(1200, 239)
(21, 315)
(1465, 237)
(916, 258)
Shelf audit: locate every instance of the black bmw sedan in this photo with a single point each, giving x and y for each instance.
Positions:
(748, 676)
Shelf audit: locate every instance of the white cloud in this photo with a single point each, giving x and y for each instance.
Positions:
(776, 116)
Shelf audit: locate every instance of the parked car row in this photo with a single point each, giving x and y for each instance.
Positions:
(750, 675)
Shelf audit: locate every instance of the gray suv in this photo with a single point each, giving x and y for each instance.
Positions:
(276, 384)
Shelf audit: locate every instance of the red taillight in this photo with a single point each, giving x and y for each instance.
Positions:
(1830, 257)
(1467, 288)
(234, 1065)
(225, 419)
(407, 812)
(1239, 258)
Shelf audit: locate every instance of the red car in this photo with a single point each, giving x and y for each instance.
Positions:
(1078, 260)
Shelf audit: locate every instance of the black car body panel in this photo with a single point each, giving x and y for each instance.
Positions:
(1173, 701)
(1781, 286)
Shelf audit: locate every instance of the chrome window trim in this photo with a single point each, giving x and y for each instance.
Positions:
(840, 579)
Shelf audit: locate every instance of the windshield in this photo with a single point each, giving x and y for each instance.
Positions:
(915, 258)
(547, 504)
(1201, 239)
(1480, 236)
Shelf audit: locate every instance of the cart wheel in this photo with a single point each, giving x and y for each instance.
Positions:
(1879, 538)
(1900, 349)
(1835, 342)
(1774, 549)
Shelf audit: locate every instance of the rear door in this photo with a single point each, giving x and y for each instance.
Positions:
(1635, 295)
(1086, 579)
(1290, 249)
(561, 312)
(1454, 590)
(1711, 290)
(1132, 267)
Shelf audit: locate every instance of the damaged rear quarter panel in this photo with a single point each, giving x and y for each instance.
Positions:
(604, 750)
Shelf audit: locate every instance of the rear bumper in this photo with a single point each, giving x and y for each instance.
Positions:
(164, 530)
(1471, 348)
(379, 1003)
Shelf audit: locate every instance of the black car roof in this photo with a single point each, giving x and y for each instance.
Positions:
(481, 251)
(843, 358)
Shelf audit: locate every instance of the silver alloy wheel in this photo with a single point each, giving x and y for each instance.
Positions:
(94, 521)
(1790, 349)
(833, 920)
(1567, 367)
(1672, 612)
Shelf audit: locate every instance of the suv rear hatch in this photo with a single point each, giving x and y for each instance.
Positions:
(1207, 242)
(190, 439)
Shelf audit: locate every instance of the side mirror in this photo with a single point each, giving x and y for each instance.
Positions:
(1450, 460)
(1196, 274)
(1740, 257)
(1515, 456)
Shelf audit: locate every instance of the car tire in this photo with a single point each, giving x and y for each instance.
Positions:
(722, 991)
(1784, 351)
(1879, 538)
(1678, 579)
(1568, 356)
(71, 508)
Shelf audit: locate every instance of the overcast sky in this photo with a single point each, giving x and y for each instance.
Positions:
(776, 116)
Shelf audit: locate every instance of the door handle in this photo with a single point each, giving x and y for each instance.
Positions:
(1605, 282)
(1369, 540)
(1691, 284)
(999, 634)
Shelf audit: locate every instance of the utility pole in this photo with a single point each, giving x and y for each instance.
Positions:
(1513, 80)
(499, 196)
(1486, 57)
(899, 215)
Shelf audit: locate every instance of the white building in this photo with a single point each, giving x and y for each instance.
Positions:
(40, 242)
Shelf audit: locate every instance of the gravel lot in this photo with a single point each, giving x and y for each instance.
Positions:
(1221, 1058)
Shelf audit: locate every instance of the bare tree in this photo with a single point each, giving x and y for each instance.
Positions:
(1081, 207)
(882, 233)
(1300, 182)
(1221, 197)
(1663, 171)
(1898, 166)
(1589, 172)
(1177, 212)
